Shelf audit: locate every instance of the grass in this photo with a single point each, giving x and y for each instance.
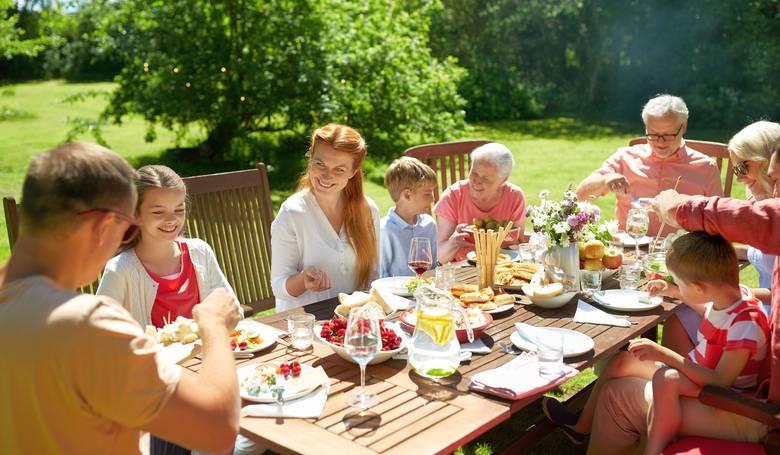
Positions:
(550, 154)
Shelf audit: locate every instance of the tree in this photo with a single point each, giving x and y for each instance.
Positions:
(237, 67)
(12, 41)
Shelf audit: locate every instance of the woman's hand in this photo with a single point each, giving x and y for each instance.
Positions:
(647, 350)
(315, 280)
(663, 289)
(459, 238)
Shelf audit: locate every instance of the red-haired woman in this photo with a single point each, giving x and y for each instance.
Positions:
(325, 238)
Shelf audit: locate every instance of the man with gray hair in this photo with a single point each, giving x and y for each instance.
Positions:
(644, 170)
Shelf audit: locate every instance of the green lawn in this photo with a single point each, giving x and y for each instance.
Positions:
(550, 154)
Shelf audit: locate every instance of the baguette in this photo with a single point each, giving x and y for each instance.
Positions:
(386, 307)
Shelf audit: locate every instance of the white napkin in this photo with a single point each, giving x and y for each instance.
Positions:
(477, 347)
(588, 314)
(307, 407)
(528, 335)
(518, 378)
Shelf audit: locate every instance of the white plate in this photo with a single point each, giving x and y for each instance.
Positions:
(500, 309)
(268, 397)
(627, 240)
(268, 334)
(625, 300)
(394, 284)
(176, 352)
(574, 343)
(513, 255)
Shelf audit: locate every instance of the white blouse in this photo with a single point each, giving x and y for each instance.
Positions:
(301, 237)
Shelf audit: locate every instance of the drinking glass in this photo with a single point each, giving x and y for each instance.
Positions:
(527, 252)
(445, 277)
(591, 281)
(636, 226)
(549, 351)
(362, 341)
(300, 327)
(420, 258)
(630, 274)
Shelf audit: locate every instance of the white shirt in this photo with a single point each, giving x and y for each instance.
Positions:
(301, 236)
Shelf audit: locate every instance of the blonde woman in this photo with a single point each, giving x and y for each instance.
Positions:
(325, 237)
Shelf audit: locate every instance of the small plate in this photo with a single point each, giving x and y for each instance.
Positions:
(626, 240)
(574, 343)
(625, 300)
(393, 284)
(268, 397)
(268, 334)
(501, 309)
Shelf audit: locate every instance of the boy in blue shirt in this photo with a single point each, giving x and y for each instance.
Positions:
(411, 184)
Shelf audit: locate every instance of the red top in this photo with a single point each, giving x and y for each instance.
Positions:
(755, 223)
(176, 297)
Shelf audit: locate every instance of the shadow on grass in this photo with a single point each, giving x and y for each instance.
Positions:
(562, 128)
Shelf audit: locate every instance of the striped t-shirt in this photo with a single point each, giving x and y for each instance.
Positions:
(743, 325)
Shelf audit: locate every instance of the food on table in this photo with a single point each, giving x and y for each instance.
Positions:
(416, 282)
(594, 255)
(515, 273)
(459, 289)
(244, 340)
(488, 222)
(485, 299)
(655, 267)
(475, 316)
(547, 291)
(360, 299)
(289, 369)
(266, 377)
(644, 298)
(182, 330)
(501, 257)
(333, 331)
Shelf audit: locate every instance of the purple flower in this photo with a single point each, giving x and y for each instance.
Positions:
(573, 221)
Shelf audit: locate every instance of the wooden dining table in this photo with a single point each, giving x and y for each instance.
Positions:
(415, 414)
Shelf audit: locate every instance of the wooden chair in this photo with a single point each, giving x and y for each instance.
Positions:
(11, 210)
(450, 160)
(232, 212)
(716, 150)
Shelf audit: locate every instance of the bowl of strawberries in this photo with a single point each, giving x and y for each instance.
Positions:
(331, 333)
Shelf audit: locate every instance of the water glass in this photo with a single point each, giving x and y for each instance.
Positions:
(549, 351)
(591, 281)
(300, 327)
(445, 277)
(362, 341)
(630, 274)
(527, 252)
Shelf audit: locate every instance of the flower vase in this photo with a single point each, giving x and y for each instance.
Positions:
(567, 259)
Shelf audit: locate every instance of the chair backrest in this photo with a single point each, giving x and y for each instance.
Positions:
(232, 212)
(11, 210)
(450, 160)
(716, 150)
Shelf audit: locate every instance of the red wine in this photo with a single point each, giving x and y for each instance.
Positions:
(419, 267)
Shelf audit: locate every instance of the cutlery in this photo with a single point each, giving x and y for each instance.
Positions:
(509, 348)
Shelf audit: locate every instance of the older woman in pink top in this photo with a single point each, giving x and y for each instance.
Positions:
(644, 170)
(486, 192)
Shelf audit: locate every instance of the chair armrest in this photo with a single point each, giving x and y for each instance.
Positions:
(729, 400)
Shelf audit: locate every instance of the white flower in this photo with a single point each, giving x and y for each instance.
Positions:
(543, 194)
(561, 227)
(612, 227)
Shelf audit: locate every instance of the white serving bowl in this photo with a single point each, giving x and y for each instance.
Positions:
(552, 302)
(381, 356)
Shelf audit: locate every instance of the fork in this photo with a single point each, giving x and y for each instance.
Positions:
(509, 349)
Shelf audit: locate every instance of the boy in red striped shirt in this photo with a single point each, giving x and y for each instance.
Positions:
(730, 350)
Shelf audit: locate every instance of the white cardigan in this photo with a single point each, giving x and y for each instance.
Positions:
(301, 237)
(125, 279)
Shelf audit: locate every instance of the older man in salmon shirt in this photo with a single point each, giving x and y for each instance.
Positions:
(644, 170)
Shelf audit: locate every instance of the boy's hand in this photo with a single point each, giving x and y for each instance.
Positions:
(663, 289)
(647, 350)
(218, 309)
(315, 280)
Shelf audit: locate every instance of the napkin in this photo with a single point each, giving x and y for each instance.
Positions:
(477, 347)
(308, 406)
(518, 378)
(588, 314)
(528, 334)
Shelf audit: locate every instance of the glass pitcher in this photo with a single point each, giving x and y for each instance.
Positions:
(434, 351)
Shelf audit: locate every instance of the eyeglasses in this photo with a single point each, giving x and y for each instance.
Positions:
(740, 169)
(663, 137)
(132, 230)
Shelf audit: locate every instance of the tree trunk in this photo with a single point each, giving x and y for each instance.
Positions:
(218, 139)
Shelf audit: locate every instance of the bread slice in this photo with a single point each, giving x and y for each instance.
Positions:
(378, 298)
(503, 299)
(355, 299)
(471, 298)
(458, 289)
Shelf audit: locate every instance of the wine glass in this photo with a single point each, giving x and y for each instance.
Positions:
(420, 258)
(362, 341)
(636, 226)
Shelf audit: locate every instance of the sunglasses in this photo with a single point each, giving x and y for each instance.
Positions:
(740, 169)
(132, 230)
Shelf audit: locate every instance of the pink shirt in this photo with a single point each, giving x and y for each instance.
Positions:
(648, 175)
(457, 207)
(754, 223)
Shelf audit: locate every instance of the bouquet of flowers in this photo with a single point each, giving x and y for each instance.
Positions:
(560, 223)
